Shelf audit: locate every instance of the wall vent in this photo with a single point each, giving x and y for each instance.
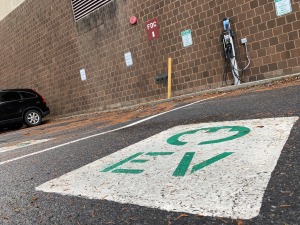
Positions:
(82, 8)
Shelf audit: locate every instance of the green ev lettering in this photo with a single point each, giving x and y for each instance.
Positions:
(180, 171)
(186, 160)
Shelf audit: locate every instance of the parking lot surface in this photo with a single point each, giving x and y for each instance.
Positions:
(226, 158)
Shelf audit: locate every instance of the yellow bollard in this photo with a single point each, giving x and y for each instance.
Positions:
(169, 77)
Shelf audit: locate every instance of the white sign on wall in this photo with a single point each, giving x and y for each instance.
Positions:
(186, 38)
(212, 169)
(128, 59)
(283, 7)
(82, 74)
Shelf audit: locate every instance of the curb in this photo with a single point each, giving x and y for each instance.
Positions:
(217, 90)
(195, 94)
(242, 86)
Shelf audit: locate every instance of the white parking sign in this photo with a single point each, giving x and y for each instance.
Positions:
(211, 169)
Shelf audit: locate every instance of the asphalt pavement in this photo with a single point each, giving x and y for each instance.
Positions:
(88, 170)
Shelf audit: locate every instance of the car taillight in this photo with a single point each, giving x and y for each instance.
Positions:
(43, 99)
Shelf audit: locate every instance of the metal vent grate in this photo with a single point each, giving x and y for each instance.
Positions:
(81, 8)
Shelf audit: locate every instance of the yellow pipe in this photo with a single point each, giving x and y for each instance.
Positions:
(169, 77)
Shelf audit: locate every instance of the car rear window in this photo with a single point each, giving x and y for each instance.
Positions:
(9, 96)
(28, 95)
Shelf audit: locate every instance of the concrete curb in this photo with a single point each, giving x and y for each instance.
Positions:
(241, 86)
(195, 94)
(216, 90)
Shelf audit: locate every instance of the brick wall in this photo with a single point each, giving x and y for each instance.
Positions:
(38, 43)
(43, 48)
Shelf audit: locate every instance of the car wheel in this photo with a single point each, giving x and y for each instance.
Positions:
(32, 118)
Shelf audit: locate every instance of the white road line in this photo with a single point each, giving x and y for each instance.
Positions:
(23, 145)
(106, 132)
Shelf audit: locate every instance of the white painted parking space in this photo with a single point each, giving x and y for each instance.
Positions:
(211, 169)
(22, 145)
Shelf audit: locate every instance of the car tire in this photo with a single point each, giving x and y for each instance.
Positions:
(32, 118)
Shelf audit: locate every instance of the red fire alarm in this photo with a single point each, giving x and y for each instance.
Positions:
(133, 20)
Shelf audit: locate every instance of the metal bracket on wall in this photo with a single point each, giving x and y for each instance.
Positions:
(161, 78)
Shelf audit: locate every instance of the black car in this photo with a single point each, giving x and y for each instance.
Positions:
(19, 106)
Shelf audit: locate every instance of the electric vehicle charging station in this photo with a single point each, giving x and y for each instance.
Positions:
(229, 48)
